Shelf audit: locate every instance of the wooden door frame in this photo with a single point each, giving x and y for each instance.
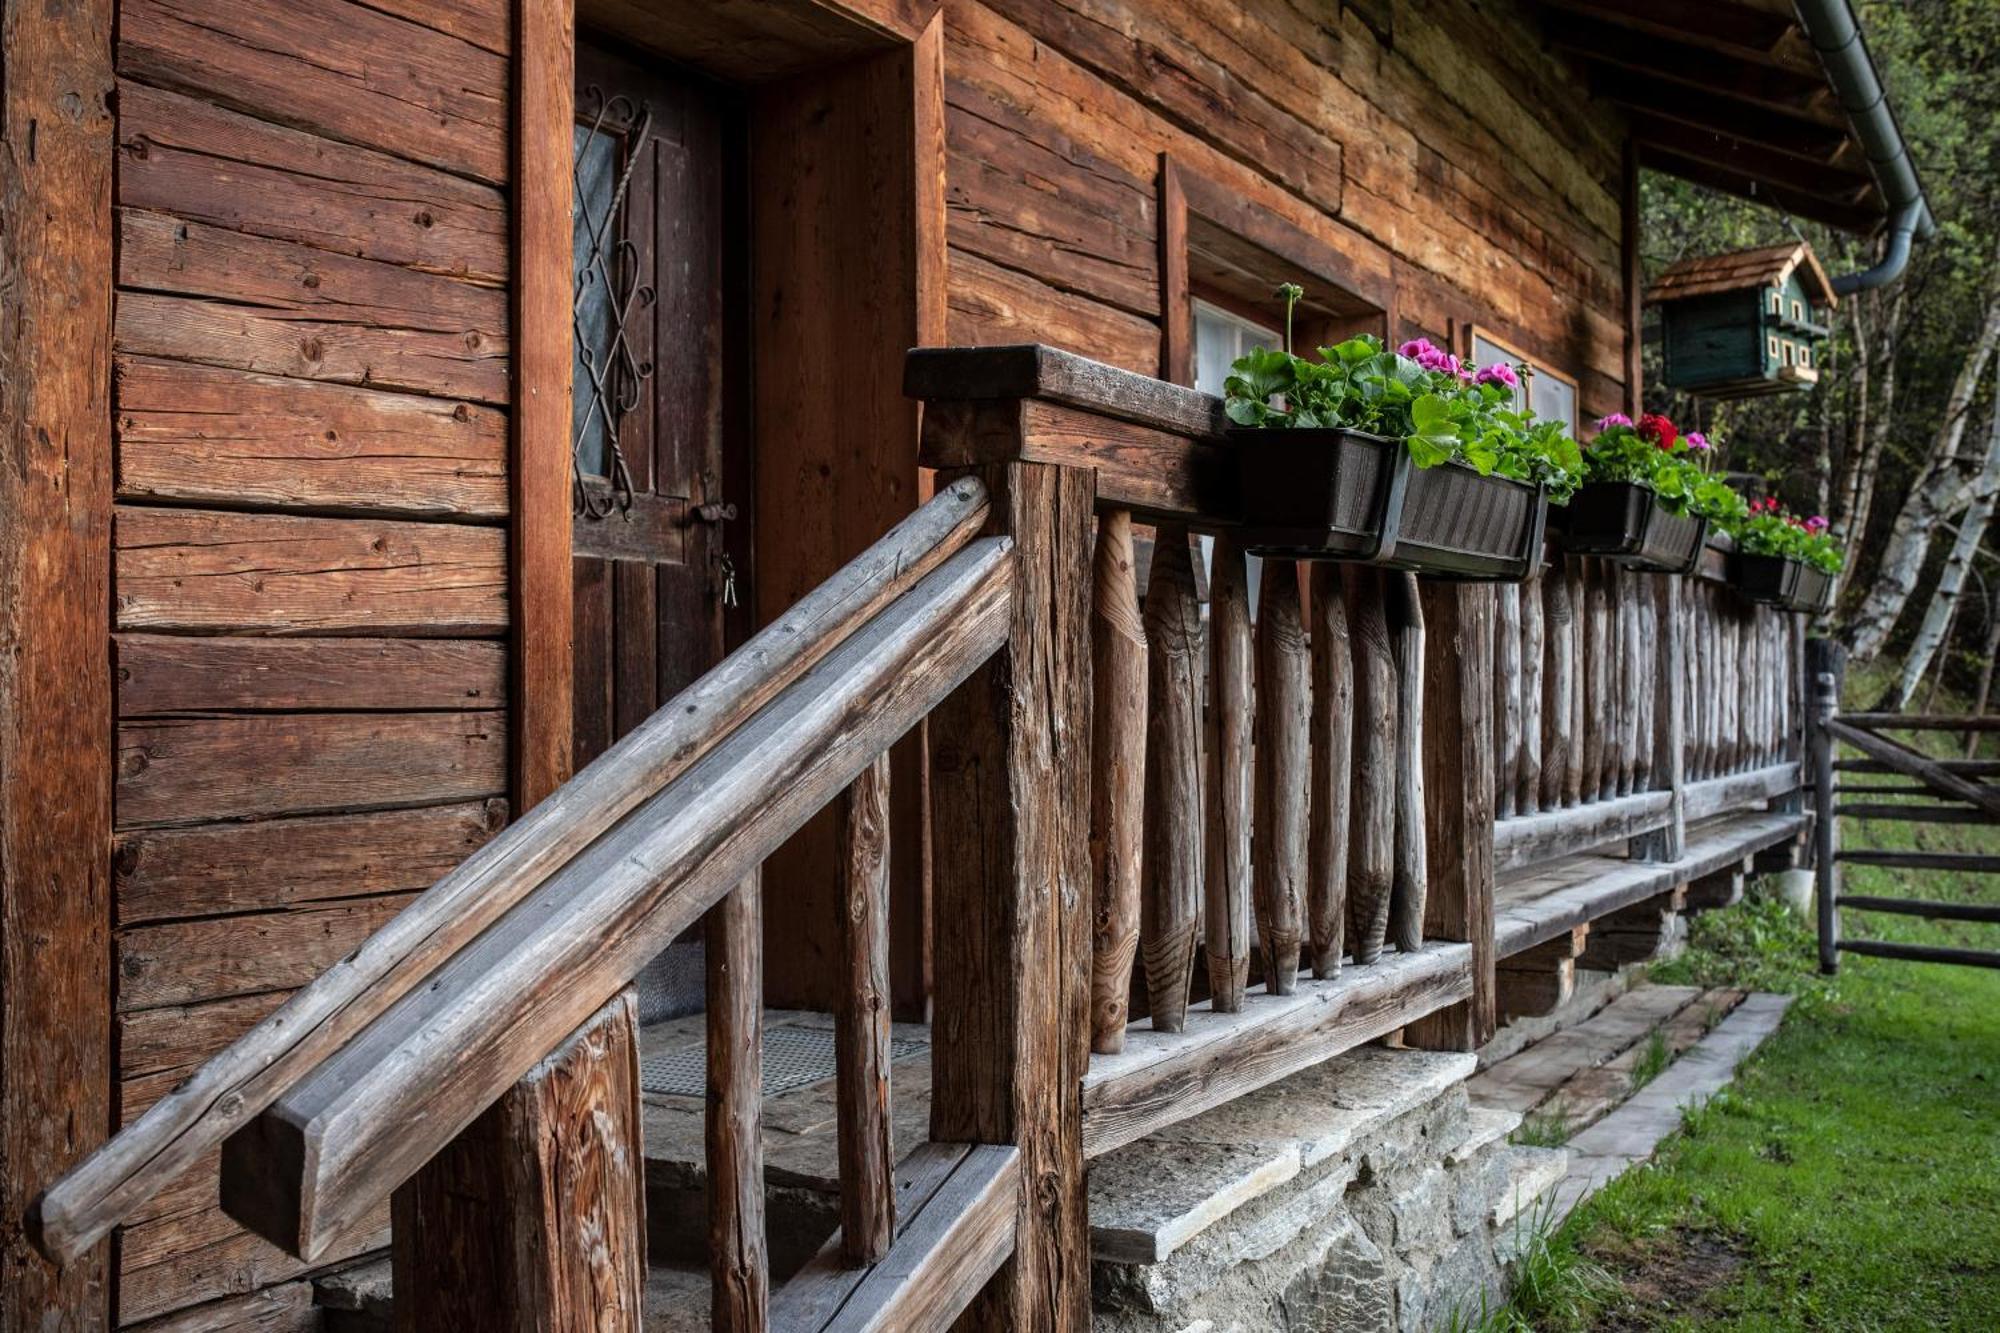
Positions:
(56, 1088)
(540, 582)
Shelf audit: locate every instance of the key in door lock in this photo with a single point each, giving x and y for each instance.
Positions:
(715, 511)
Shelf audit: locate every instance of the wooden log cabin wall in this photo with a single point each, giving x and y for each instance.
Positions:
(312, 387)
(322, 540)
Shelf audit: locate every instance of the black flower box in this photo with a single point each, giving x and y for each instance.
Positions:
(1628, 524)
(1345, 495)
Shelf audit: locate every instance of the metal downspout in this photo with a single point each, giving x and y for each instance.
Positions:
(1837, 40)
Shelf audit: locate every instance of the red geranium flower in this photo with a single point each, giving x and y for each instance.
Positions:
(1659, 430)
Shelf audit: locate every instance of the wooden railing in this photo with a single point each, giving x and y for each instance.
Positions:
(1121, 784)
(501, 973)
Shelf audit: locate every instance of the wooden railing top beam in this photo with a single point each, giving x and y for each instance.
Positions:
(240, 1082)
(306, 1172)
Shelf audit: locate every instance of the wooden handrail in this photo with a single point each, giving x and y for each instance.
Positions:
(225, 1093)
(306, 1172)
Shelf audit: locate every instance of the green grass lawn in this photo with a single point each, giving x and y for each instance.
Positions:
(1850, 1179)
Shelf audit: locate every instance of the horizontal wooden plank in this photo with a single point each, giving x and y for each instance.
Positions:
(1912, 763)
(940, 1260)
(992, 304)
(174, 673)
(1032, 370)
(1971, 768)
(209, 571)
(236, 439)
(1921, 953)
(1966, 862)
(157, 1047)
(1529, 839)
(332, 67)
(170, 873)
(185, 770)
(1540, 904)
(195, 1264)
(186, 962)
(485, 23)
(161, 253)
(1152, 472)
(1960, 722)
(196, 160)
(1739, 791)
(288, 1308)
(1935, 911)
(1912, 812)
(278, 342)
(1162, 1078)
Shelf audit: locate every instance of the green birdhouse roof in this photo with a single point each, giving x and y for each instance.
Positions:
(1766, 266)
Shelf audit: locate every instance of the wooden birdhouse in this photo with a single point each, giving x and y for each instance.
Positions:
(1746, 323)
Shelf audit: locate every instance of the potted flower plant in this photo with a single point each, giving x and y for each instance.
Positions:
(1646, 500)
(1782, 559)
(1407, 458)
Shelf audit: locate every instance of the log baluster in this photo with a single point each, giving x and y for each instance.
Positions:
(1371, 849)
(1171, 897)
(1617, 780)
(861, 1021)
(1411, 880)
(739, 1260)
(1631, 585)
(1597, 660)
(1558, 741)
(1506, 697)
(1332, 760)
(1579, 705)
(1231, 705)
(1533, 704)
(1117, 778)
(1284, 774)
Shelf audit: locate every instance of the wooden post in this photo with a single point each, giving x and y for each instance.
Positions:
(1332, 760)
(1406, 628)
(861, 1017)
(1458, 781)
(1170, 905)
(1117, 778)
(1011, 882)
(1824, 665)
(1284, 774)
(739, 1260)
(1232, 707)
(56, 754)
(1371, 850)
(532, 1220)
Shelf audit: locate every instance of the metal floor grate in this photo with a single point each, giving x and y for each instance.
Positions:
(794, 1057)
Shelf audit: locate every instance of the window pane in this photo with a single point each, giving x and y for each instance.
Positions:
(591, 228)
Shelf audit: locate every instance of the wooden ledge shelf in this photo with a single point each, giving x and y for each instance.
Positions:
(1533, 840)
(1560, 895)
(1162, 1078)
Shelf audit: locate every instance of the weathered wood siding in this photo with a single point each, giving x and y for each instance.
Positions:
(1439, 151)
(310, 591)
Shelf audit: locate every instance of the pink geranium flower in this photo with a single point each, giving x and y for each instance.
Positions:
(1816, 524)
(1696, 440)
(1615, 419)
(1501, 373)
(1417, 349)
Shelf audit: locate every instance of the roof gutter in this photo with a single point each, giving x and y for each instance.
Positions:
(1836, 38)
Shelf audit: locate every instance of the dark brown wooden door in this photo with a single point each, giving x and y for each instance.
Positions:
(652, 428)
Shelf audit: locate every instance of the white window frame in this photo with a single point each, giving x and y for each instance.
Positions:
(1244, 335)
(1487, 349)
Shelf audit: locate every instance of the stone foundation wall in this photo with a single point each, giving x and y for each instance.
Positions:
(1404, 1200)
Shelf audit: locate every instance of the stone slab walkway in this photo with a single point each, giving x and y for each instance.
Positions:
(1628, 1135)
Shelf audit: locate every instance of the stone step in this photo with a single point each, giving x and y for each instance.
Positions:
(1532, 1174)
(1151, 1197)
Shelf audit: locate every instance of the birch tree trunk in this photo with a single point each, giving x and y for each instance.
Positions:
(1951, 583)
(1942, 489)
